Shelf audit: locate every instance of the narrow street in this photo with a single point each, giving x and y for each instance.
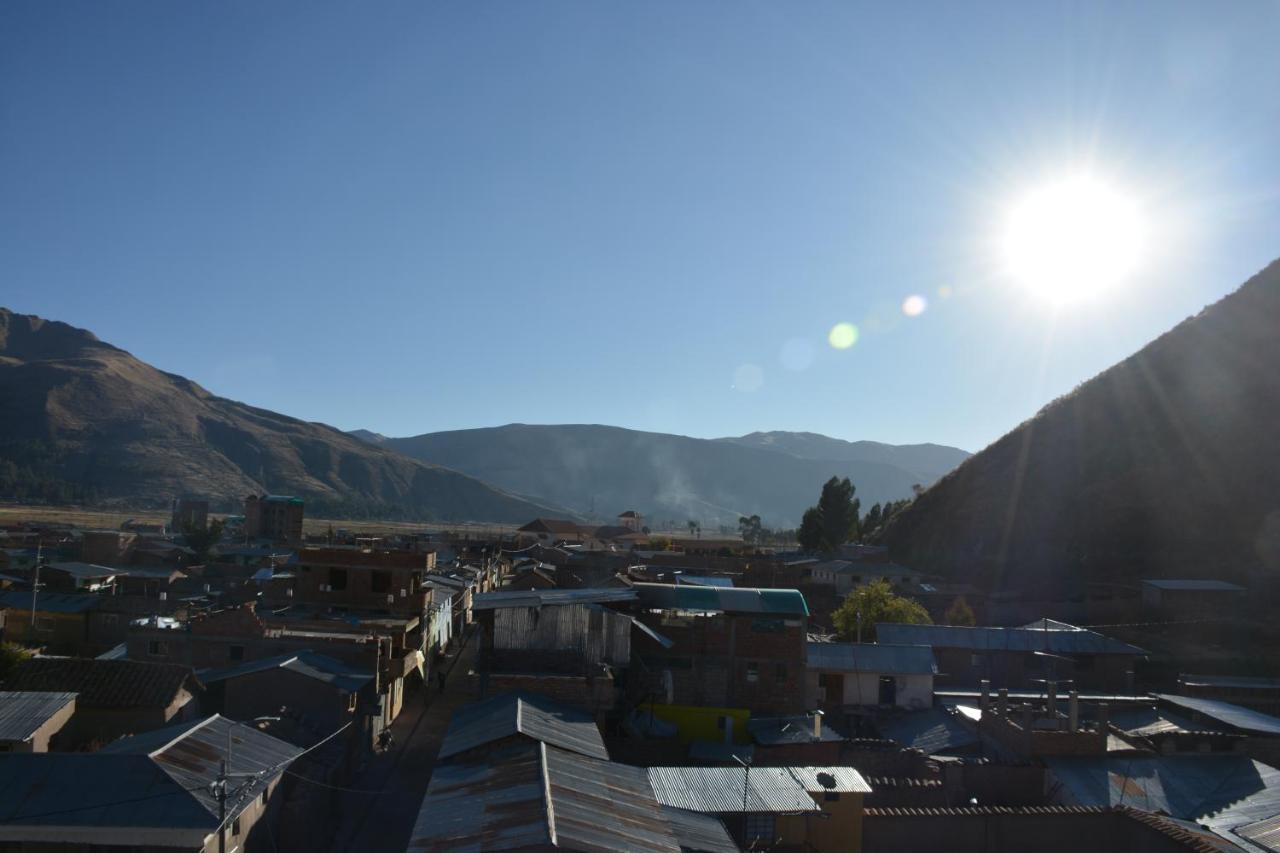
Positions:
(382, 822)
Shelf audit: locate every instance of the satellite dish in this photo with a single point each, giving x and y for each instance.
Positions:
(826, 780)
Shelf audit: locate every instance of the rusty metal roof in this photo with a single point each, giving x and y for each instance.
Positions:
(536, 717)
(699, 833)
(534, 795)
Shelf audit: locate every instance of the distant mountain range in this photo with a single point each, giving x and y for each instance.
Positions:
(84, 421)
(1165, 465)
(602, 470)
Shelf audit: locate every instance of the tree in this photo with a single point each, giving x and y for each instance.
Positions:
(960, 613)
(11, 657)
(202, 540)
(834, 521)
(875, 602)
(695, 528)
(810, 533)
(751, 529)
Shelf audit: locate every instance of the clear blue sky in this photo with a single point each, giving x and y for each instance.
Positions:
(421, 216)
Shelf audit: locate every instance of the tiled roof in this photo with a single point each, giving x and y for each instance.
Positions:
(106, 683)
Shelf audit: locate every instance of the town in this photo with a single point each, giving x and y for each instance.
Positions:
(248, 682)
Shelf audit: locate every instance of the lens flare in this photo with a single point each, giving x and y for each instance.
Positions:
(914, 305)
(748, 378)
(843, 335)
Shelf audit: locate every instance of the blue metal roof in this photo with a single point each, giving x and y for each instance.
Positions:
(49, 602)
(1234, 716)
(884, 658)
(782, 602)
(1192, 585)
(21, 713)
(1073, 641)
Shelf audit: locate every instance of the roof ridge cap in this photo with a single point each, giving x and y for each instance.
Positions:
(546, 795)
(184, 734)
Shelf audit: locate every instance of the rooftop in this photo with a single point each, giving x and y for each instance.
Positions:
(22, 713)
(885, 658)
(1232, 716)
(536, 717)
(1193, 585)
(703, 599)
(1069, 640)
(105, 683)
(550, 597)
(306, 663)
(729, 790)
(50, 602)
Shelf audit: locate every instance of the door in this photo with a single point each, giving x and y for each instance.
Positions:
(888, 690)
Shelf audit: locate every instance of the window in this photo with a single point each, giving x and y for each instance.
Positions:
(380, 581)
(760, 827)
(753, 673)
(235, 826)
(337, 579)
(157, 648)
(780, 673)
(831, 796)
(235, 653)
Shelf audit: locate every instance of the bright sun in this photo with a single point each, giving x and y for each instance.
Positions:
(1074, 239)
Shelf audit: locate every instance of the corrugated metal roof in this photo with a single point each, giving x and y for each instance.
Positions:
(550, 597)
(1070, 642)
(535, 717)
(1235, 716)
(1190, 585)
(699, 833)
(307, 663)
(884, 658)
(1222, 792)
(22, 713)
(87, 570)
(1242, 681)
(536, 796)
(720, 790)
(786, 602)
(1264, 833)
(932, 731)
(772, 731)
(50, 602)
(705, 580)
(1149, 720)
(155, 781)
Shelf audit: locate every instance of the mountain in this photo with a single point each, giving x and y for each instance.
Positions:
(1165, 465)
(603, 470)
(927, 461)
(84, 420)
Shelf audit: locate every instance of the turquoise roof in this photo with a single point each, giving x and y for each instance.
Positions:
(785, 602)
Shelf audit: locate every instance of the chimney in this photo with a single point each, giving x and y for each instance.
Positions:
(1073, 711)
(1002, 703)
(984, 701)
(817, 725)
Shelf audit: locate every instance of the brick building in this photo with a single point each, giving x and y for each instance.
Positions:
(728, 647)
(274, 517)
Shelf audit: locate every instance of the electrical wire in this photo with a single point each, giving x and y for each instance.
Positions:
(71, 809)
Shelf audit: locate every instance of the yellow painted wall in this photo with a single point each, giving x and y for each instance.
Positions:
(701, 723)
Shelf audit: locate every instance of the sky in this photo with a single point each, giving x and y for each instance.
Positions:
(421, 216)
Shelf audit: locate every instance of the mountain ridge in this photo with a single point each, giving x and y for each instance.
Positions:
(86, 415)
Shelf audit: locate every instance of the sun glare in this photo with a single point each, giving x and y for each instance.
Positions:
(1072, 240)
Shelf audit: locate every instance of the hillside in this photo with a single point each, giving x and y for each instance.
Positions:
(927, 462)
(84, 420)
(1164, 465)
(666, 477)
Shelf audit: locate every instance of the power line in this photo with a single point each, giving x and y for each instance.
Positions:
(320, 784)
(25, 817)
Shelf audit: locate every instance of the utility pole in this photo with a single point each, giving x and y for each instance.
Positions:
(220, 785)
(35, 590)
(859, 612)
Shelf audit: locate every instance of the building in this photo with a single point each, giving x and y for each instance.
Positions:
(28, 721)
(1260, 694)
(78, 577)
(189, 514)
(1191, 599)
(520, 771)
(277, 518)
(360, 579)
(631, 520)
(112, 547)
(801, 808)
(845, 575)
(550, 531)
(724, 647)
(63, 621)
(1016, 658)
(843, 675)
(113, 697)
(152, 792)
